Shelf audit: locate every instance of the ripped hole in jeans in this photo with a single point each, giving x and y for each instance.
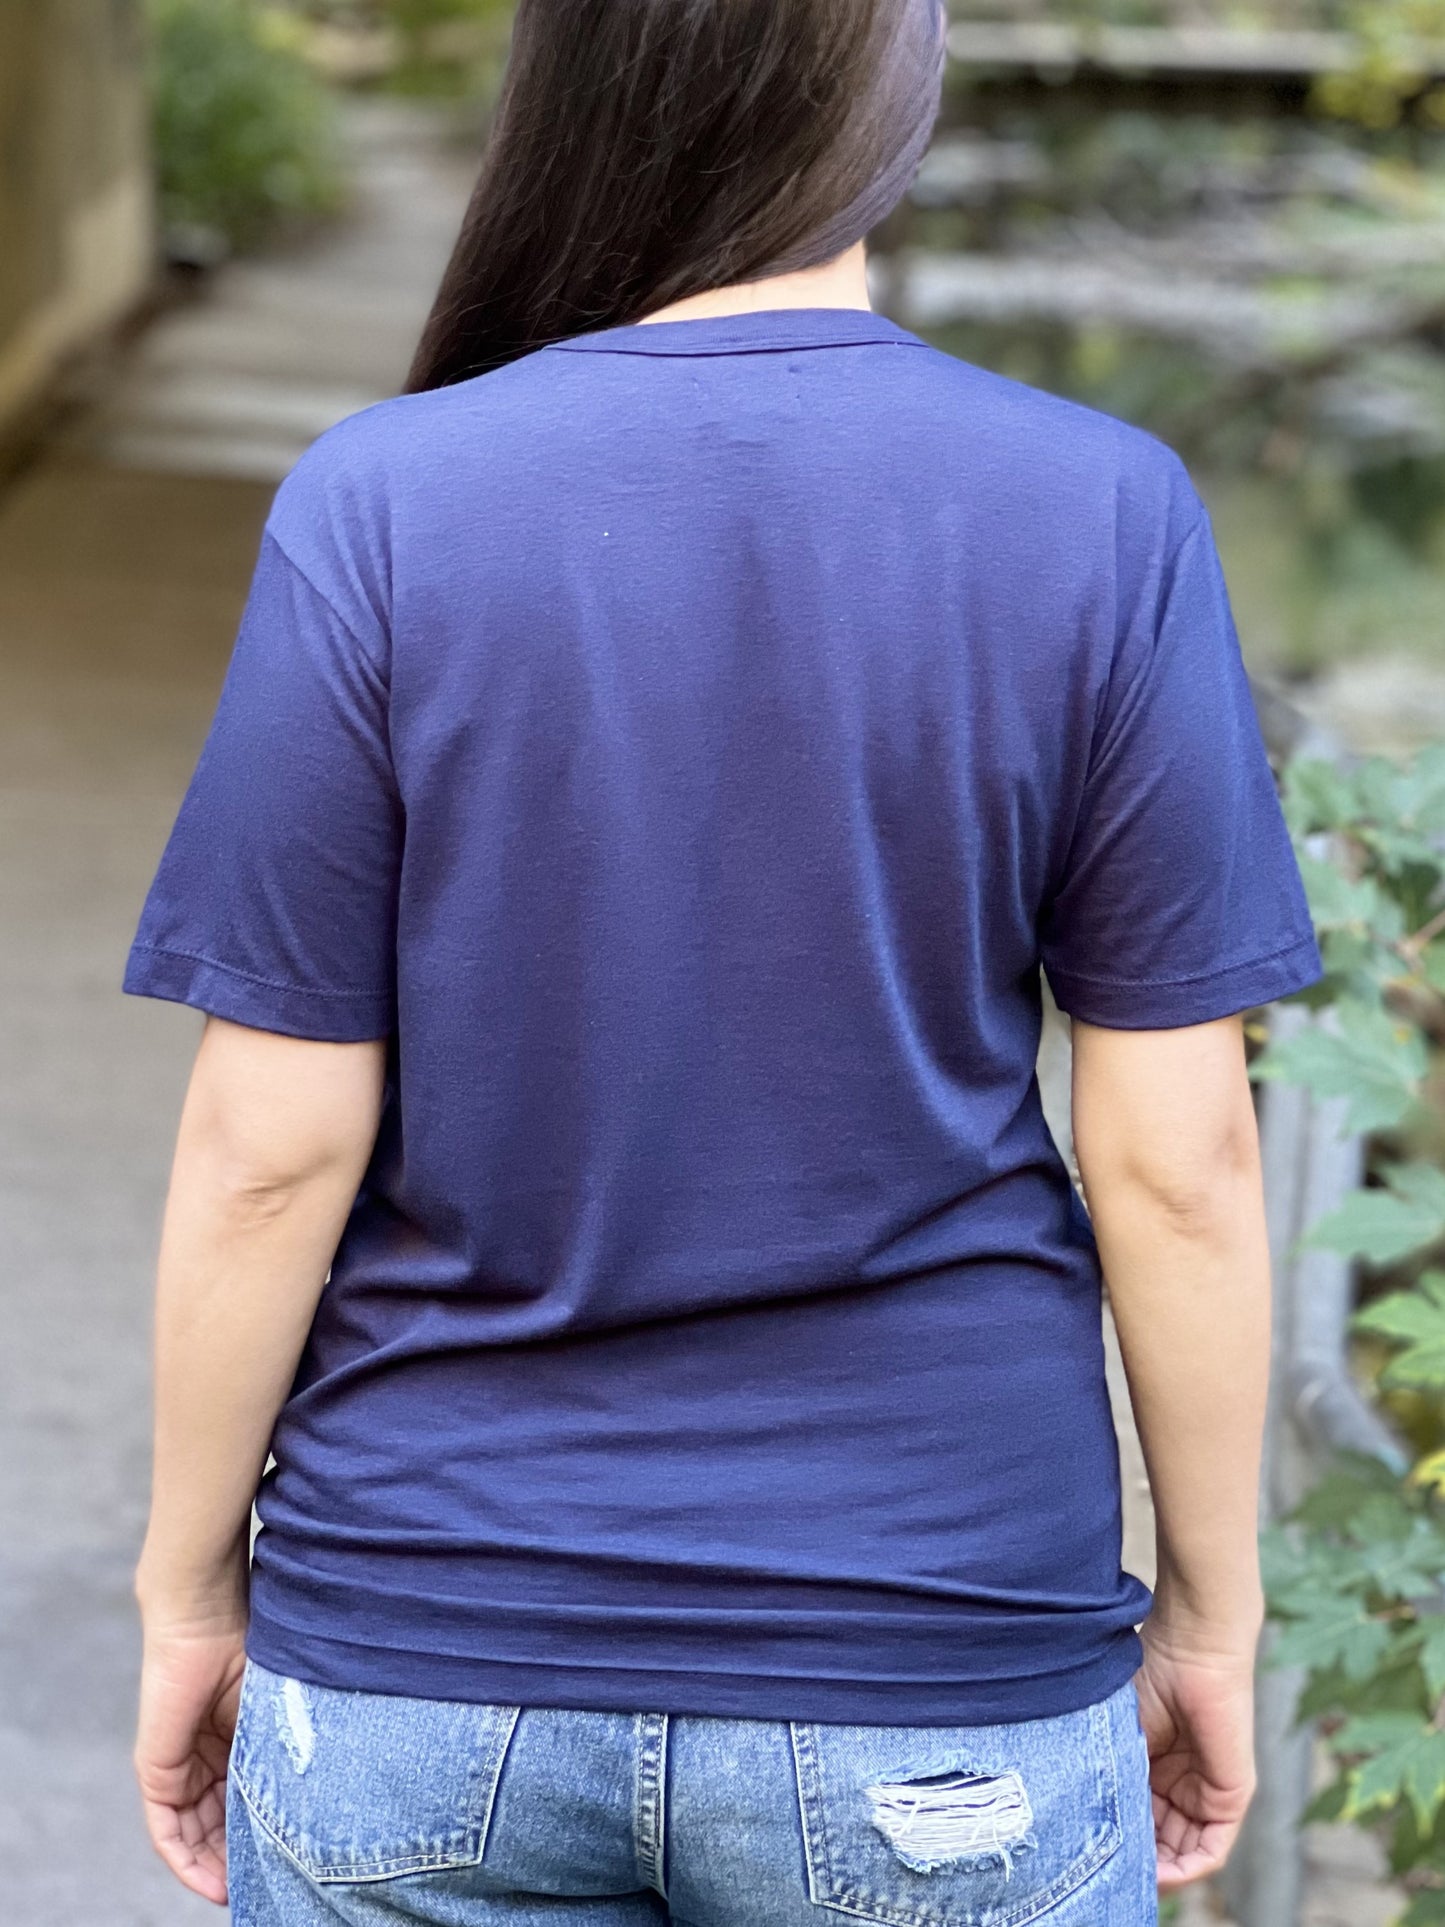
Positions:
(954, 1819)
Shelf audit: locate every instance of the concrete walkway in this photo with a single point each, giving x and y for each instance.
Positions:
(124, 558)
(117, 599)
(286, 345)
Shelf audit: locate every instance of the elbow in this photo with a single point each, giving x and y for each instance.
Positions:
(255, 1175)
(1201, 1212)
(251, 1192)
(1165, 1129)
(1196, 1191)
(271, 1120)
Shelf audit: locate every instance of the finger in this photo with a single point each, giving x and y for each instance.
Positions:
(1181, 1869)
(1185, 1850)
(192, 1843)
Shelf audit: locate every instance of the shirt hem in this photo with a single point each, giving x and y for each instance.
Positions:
(352, 1666)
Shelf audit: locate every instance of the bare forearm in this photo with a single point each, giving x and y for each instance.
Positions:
(273, 1143)
(238, 1283)
(1191, 1305)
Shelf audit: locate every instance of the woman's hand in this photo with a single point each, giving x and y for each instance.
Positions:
(190, 1689)
(1196, 1703)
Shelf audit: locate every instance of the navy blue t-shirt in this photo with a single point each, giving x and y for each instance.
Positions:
(685, 745)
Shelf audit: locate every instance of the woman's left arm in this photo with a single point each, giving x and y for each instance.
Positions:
(274, 1141)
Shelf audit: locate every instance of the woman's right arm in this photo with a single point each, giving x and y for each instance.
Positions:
(1168, 1151)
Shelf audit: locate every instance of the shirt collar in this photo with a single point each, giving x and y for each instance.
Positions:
(760, 332)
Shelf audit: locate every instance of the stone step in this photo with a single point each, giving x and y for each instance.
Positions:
(248, 427)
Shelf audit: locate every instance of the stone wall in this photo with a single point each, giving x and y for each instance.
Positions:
(76, 221)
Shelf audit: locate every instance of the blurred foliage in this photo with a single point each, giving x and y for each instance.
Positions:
(1256, 274)
(442, 47)
(1304, 381)
(1261, 280)
(1355, 1582)
(244, 129)
(416, 21)
(1356, 1578)
(1389, 79)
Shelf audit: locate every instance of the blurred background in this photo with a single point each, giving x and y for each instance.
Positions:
(221, 223)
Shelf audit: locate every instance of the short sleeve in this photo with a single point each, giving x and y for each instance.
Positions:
(275, 901)
(1180, 899)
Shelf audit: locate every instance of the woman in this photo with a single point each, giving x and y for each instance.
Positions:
(658, 755)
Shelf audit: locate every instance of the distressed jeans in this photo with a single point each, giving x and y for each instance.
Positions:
(370, 1809)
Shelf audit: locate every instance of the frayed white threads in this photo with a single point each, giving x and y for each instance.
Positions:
(950, 1818)
(295, 1724)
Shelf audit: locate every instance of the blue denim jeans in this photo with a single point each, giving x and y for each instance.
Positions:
(370, 1809)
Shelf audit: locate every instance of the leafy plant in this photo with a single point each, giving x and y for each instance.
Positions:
(243, 129)
(1392, 71)
(415, 19)
(440, 47)
(1356, 1579)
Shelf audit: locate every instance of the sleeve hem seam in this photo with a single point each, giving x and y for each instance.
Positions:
(1169, 983)
(249, 977)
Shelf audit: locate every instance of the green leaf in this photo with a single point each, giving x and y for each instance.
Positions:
(1328, 1804)
(1405, 1759)
(1301, 1569)
(1327, 1695)
(1336, 899)
(1422, 797)
(1425, 1909)
(1414, 1320)
(1432, 1656)
(1406, 858)
(1355, 960)
(1382, 1225)
(1317, 795)
(1418, 1182)
(1353, 1485)
(1340, 1633)
(1404, 1567)
(1409, 1845)
(1432, 965)
(1374, 1225)
(1375, 1062)
(1339, 901)
(1396, 1686)
(1380, 789)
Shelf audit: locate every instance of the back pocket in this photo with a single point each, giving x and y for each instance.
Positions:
(366, 1786)
(936, 1826)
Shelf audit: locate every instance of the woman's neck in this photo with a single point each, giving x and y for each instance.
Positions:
(839, 283)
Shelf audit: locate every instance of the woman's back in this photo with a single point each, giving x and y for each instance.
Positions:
(684, 743)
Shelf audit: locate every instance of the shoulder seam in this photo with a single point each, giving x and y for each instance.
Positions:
(1196, 527)
(269, 534)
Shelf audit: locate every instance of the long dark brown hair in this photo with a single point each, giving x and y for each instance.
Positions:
(646, 150)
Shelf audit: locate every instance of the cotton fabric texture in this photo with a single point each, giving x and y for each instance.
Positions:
(370, 1809)
(684, 746)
